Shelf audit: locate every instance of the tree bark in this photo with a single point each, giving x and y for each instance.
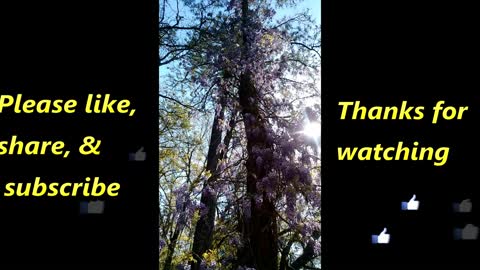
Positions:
(260, 252)
(171, 249)
(202, 240)
(206, 224)
(261, 228)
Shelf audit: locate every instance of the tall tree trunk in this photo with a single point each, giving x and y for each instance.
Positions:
(261, 228)
(171, 249)
(206, 224)
(202, 240)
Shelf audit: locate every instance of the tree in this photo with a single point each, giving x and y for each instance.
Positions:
(262, 186)
(181, 169)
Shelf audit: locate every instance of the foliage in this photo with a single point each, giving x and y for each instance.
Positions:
(207, 65)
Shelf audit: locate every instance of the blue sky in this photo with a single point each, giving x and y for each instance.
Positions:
(313, 5)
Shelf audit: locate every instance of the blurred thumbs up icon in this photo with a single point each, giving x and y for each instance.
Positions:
(382, 238)
(411, 205)
(140, 155)
(470, 232)
(464, 207)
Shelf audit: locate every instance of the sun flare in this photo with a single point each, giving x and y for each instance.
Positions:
(312, 129)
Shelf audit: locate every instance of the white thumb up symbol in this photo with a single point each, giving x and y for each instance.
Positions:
(411, 205)
(383, 237)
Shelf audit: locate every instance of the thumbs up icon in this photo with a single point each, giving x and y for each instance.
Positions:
(382, 238)
(140, 155)
(464, 207)
(92, 207)
(470, 232)
(411, 205)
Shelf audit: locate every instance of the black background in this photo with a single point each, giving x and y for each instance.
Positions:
(382, 53)
(67, 50)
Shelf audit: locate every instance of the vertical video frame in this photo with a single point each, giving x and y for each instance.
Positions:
(239, 134)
